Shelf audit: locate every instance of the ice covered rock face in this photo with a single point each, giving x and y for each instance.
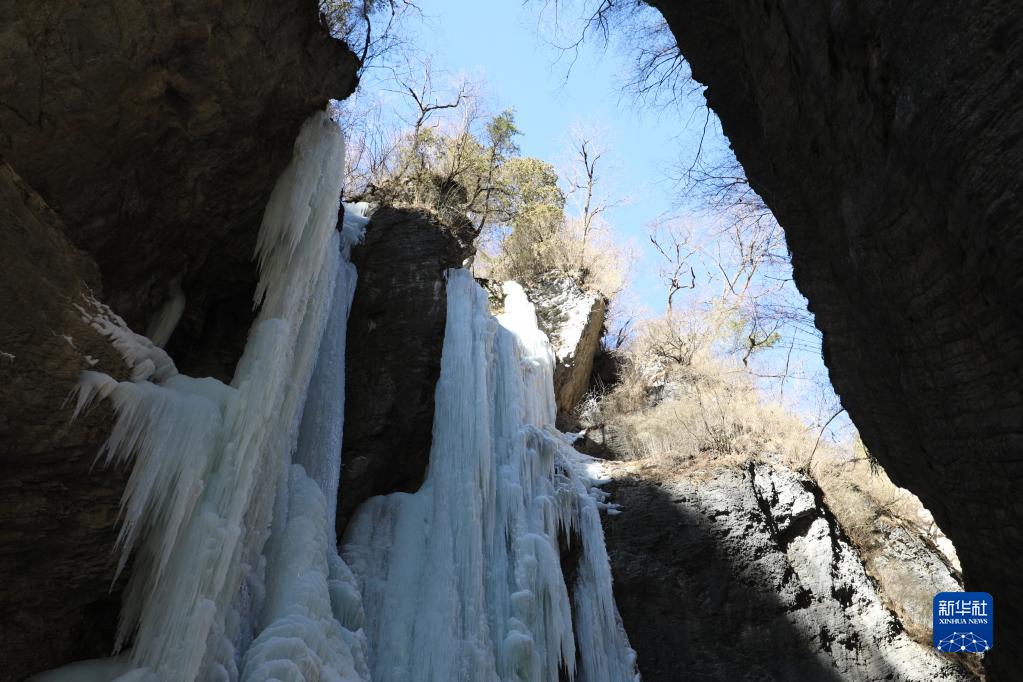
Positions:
(573, 319)
(229, 510)
(155, 131)
(747, 573)
(463, 579)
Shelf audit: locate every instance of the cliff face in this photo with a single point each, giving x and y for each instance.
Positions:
(885, 138)
(746, 574)
(140, 141)
(156, 130)
(395, 336)
(573, 320)
(57, 515)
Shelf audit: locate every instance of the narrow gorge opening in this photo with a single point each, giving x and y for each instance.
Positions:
(541, 399)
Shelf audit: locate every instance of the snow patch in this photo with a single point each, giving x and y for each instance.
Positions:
(573, 307)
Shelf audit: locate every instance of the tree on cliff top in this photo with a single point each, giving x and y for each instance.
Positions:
(448, 156)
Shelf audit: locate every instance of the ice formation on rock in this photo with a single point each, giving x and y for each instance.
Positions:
(463, 580)
(228, 513)
(166, 319)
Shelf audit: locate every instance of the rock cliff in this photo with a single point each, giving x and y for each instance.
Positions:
(140, 141)
(573, 320)
(57, 514)
(156, 131)
(744, 573)
(395, 335)
(885, 138)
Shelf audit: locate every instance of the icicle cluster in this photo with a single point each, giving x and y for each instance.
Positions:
(463, 579)
(235, 568)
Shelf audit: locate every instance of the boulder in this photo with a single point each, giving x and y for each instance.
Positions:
(573, 320)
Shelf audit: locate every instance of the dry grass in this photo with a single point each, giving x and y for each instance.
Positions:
(684, 408)
(680, 402)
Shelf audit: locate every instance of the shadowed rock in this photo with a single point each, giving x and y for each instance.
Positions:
(746, 575)
(156, 130)
(57, 513)
(885, 137)
(395, 336)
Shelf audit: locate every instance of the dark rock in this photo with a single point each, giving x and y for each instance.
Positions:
(156, 131)
(57, 512)
(744, 574)
(607, 369)
(885, 137)
(395, 336)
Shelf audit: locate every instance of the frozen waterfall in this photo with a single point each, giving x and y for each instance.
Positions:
(228, 515)
(229, 511)
(463, 579)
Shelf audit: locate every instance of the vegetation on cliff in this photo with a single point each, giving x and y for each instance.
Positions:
(445, 152)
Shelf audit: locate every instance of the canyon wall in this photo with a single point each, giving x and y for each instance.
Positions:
(745, 573)
(140, 141)
(885, 137)
(57, 514)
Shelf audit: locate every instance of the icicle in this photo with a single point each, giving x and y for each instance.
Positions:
(166, 319)
(146, 359)
(313, 612)
(462, 580)
(356, 218)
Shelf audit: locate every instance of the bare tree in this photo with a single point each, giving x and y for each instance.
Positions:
(672, 242)
(418, 85)
(588, 191)
(409, 153)
(584, 182)
(370, 27)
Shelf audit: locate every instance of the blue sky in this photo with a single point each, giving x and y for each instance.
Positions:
(502, 43)
(498, 41)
